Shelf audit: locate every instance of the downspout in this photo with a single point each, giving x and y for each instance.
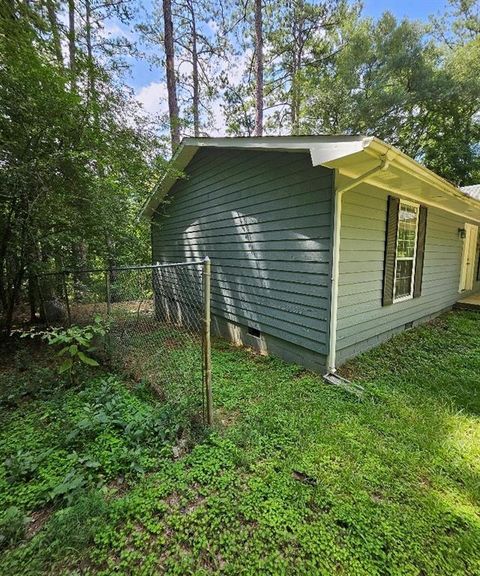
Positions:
(337, 226)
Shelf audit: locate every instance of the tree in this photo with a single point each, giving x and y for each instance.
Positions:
(170, 73)
(258, 68)
(298, 37)
(243, 99)
(459, 23)
(72, 169)
(198, 52)
(53, 22)
(391, 80)
(72, 47)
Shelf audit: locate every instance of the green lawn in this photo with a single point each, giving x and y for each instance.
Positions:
(299, 478)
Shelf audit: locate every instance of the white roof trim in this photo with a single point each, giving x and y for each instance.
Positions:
(336, 152)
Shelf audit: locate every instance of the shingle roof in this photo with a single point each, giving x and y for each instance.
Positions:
(473, 191)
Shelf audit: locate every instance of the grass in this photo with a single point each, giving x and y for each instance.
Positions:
(298, 478)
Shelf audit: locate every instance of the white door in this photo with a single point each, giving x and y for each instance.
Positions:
(467, 272)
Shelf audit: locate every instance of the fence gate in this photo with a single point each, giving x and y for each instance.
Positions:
(158, 319)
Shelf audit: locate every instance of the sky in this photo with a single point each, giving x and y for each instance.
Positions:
(413, 9)
(149, 84)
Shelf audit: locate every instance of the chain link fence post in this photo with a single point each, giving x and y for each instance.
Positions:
(67, 301)
(108, 297)
(43, 310)
(207, 341)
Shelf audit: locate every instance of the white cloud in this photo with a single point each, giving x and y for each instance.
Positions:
(153, 97)
(112, 29)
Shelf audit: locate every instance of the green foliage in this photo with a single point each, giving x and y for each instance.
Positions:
(330, 70)
(39, 382)
(75, 162)
(393, 80)
(58, 444)
(299, 478)
(12, 526)
(75, 343)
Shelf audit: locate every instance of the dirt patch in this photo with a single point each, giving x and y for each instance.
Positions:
(193, 504)
(225, 418)
(38, 519)
(117, 488)
(377, 497)
(173, 500)
(304, 478)
(172, 343)
(349, 371)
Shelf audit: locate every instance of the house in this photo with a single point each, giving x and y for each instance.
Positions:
(321, 246)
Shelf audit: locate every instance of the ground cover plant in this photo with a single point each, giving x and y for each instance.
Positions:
(298, 477)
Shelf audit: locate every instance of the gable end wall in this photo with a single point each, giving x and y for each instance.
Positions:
(265, 220)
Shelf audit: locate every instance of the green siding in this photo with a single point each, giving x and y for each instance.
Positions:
(264, 218)
(362, 320)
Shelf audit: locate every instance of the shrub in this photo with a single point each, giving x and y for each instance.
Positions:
(12, 527)
(75, 343)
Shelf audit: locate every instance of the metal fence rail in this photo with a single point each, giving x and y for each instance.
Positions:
(158, 319)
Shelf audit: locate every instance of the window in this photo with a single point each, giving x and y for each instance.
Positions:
(406, 251)
(405, 239)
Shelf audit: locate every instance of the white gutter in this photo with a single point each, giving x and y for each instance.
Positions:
(337, 226)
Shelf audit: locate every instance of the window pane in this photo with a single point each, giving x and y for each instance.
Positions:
(403, 278)
(406, 244)
(407, 231)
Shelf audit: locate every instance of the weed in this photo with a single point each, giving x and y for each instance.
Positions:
(304, 479)
(74, 344)
(13, 523)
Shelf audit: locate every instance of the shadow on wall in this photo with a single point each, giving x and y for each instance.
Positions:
(243, 290)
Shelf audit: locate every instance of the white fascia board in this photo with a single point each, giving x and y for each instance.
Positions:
(324, 153)
(466, 207)
(286, 143)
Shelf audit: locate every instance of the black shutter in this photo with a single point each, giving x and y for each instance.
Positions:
(390, 249)
(422, 232)
(478, 259)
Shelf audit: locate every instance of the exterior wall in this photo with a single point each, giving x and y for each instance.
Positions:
(362, 320)
(265, 220)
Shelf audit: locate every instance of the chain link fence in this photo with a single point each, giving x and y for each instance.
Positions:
(158, 320)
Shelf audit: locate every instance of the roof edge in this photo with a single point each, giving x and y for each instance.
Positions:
(323, 150)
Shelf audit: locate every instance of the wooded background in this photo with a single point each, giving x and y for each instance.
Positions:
(79, 155)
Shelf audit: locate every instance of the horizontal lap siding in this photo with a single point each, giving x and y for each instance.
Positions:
(264, 219)
(361, 316)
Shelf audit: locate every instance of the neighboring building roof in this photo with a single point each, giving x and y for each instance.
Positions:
(352, 157)
(472, 191)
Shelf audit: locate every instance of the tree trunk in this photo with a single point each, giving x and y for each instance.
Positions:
(297, 60)
(258, 68)
(88, 40)
(170, 72)
(71, 42)
(13, 299)
(4, 243)
(195, 77)
(52, 18)
(79, 252)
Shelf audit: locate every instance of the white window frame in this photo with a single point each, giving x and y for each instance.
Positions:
(414, 258)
